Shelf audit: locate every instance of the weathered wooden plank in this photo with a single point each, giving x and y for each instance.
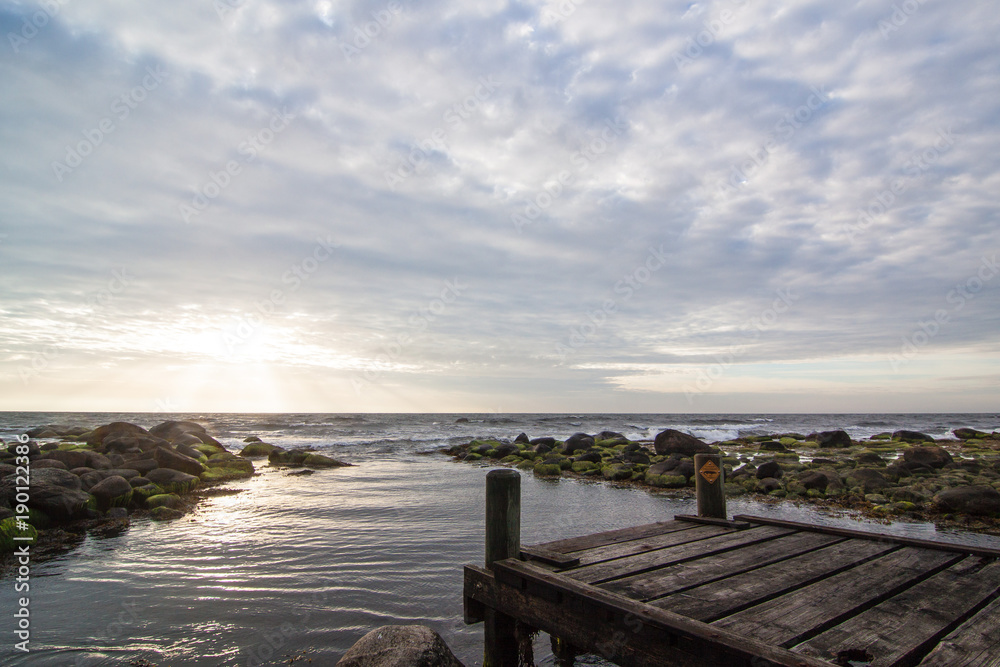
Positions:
(735, 593)
(614, 536)
(632, 547)
(548, 557)
(795, 617)
(985, 552)
(623, 631)
(674, 578)
(651, 560)
(904, 628)
(712, 521)
(975, 643)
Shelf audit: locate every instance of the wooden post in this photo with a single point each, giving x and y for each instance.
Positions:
(503, 540)
(709, 478)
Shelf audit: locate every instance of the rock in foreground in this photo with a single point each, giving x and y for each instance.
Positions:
(400, 646)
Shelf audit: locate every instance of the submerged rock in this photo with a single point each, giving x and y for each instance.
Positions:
(911, 436)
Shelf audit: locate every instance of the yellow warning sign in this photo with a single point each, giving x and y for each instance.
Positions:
(710, 472)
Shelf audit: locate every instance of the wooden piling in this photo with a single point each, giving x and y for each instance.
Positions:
(503, 540)
(709, 485)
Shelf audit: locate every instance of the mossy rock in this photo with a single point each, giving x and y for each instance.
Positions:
(778, 493)
(165, 514)
(788, 442)
(91, 502)
(904, 506)
(729, 443)
(210, 450)
(228, 460)
(257, 449)
(815, 493)
(217, 475)
(171, 500)
(38, 519)
(881, 436)
(547, 470)
(472, 457)
(616, 472)
(667, 481)
(141, 494)
(812, 444)
(9, 530)
(734, 489)
(526, 465)
(513, 458)
(583, 466)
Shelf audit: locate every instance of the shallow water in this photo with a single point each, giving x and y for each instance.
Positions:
(297, 564)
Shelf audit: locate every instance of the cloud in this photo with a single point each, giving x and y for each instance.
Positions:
(534, 153)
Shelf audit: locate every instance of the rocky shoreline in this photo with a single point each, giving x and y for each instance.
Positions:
(903, 475)
(96, 480)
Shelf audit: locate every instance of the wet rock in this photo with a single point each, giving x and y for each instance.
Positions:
(115, 491)
(55, 492)
(126, 444)
(169, 430)
(168, 458)
(814, 480)
(770, 469)
(541, 448)
(165, 514)
(768, 484)
(548, 442)
(400, 646)
(960, 433)
(171, 500)
(172, 481)
(932, 457)
(976, 500)
(869, 458)
(116, 513)
(772, 446)
(672, 441)
(522, 439)
(592, 456)
(576, 442)
(831, 439)
(911, 436)
(869, 479)
(257, 448)
(142, 465)
(637, 456)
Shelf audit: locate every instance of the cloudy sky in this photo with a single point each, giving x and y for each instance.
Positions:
(341, 205)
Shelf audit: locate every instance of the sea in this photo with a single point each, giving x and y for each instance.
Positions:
(294, 569)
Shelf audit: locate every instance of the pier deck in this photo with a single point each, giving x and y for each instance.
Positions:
(752, 591)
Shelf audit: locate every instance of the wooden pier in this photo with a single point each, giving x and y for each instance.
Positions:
(752, 591)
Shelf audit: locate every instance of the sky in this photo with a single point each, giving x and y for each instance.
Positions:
(443, 206)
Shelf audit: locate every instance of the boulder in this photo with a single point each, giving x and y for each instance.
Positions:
(252, 438)
(133, 443)
(505, 450)
(933, 457)
(169, 430)
(685, 468)
(610, 435)
(814, 480)
(664, 467)
(115, 491)
(400, 646)
(320, 461)
(576, 442)
(168, 458)
(869, 458)
(960, 433)
(522, 439)
(869, 479)
(768, 484)
(831, 439)
(769, 469)
(977, 500)
(38, 464)
(592, 456)
(172, 481)
(772, 446)
(187, 441)
(548, 442)
(71, 458)
(541, 448)
(142, 465)
(33, 449)
(114, 429)
(171, 500)
(637, 456)
(672, 441)
(257, 448)
(55, 492)
(911, 436)
(165, 514)
(188, 451)
(90, 479)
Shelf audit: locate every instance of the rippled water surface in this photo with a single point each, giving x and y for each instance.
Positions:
(295, 564)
